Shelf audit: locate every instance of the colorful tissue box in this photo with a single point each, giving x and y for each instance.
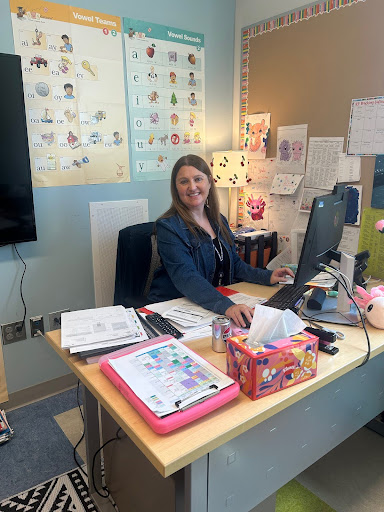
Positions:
(263, 370)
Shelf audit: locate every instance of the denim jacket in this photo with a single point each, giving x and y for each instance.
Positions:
(188, 266)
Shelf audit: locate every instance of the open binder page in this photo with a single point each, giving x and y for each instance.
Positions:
(169, 377)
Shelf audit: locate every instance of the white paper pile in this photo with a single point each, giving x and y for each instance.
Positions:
(91, 329)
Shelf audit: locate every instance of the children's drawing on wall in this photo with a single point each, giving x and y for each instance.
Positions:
(378, 183)
(256, 134)
(283, 209)
(308, 197)
(297, 150)
(253, 206)
(354, 204)
(285, 183)
(256, 207)
(285, 152)
(291, 149)
(261, 173)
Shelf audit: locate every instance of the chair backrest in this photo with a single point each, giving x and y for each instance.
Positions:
(136, 261)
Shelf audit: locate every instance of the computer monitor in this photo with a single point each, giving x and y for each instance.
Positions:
(322, 238)
(323, 235)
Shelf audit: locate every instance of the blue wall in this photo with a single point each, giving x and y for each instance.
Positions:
(59, 265)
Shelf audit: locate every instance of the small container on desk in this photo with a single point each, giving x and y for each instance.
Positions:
(268, 368)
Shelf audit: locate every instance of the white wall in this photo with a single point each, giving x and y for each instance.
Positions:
(250, 12)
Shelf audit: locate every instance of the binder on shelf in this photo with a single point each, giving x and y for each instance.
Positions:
(193, 386)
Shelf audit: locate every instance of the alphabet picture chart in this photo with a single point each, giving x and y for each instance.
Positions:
(166, 91)
(72, 65)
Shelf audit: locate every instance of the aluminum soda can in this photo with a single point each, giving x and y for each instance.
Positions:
(221, 330)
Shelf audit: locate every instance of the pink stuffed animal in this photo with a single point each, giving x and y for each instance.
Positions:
(373, 304)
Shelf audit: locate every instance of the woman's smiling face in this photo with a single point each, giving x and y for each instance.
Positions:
(193, 187)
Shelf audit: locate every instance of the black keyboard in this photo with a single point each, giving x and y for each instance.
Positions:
(149, 330)
(163, 326)
(287, 297)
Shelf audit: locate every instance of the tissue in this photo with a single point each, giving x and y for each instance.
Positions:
(270, 324)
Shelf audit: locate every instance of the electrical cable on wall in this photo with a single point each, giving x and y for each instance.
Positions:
(21, 286)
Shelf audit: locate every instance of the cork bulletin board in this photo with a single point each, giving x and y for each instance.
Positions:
(308, 72)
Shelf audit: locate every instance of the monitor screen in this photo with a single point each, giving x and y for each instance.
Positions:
(17, 218)
(323, 235)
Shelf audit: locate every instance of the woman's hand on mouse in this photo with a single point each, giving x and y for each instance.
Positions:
(280, 275)
(235, 313)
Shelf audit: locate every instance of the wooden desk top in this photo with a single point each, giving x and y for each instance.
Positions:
(173, 451)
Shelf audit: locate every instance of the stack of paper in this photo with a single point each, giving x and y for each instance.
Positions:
(193, 320)
(5, 430)
(321, 280)
(95, 329)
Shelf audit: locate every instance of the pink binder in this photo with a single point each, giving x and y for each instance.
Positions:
(172, 421)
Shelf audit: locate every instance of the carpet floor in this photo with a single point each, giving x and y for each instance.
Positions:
(68, 492)
(348, 479)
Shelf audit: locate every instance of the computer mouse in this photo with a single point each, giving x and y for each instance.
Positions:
(246, 321)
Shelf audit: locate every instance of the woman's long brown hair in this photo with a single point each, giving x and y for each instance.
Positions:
(178, 207)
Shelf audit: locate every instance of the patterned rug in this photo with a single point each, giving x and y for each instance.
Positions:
(65, 493)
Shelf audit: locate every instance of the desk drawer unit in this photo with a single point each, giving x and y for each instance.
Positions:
(248, 469)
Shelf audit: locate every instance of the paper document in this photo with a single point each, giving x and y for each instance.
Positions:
(281, 259)
(366, 127)
(167, 376)
(322, 280)
(323, 162)
(184, 312)
(188, 314)
(285, 183)
(291, 148)
(139, 335)
(349, 168)
(100, 325)
(261, 173)
(350, 240)
(241, 298)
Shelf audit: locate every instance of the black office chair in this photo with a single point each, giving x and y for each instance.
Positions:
(136, 261)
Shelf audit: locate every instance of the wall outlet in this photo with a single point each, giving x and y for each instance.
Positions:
(55, 319)
(12, 332)
(37, 324)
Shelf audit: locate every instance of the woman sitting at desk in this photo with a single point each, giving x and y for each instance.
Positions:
(197, 247)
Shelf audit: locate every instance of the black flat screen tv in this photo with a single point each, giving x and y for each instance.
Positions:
(17, 217)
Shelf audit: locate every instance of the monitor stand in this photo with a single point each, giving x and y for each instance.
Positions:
(329, 313)
(337, 310)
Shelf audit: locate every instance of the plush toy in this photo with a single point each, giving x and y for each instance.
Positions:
(373, 305)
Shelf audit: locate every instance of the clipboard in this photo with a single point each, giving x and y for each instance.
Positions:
(187, 412)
